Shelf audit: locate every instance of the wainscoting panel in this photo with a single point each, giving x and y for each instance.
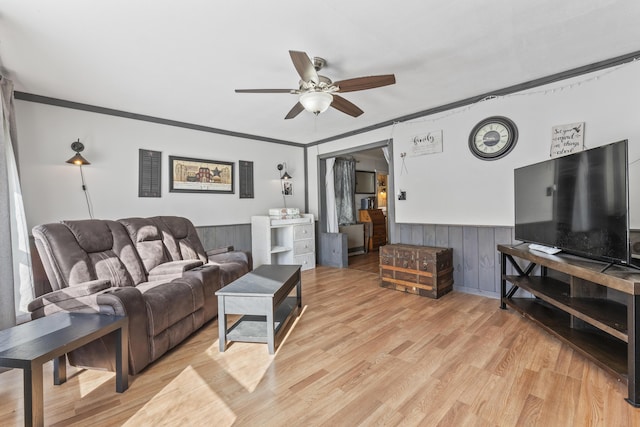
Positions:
(218, 236)
(476, 261)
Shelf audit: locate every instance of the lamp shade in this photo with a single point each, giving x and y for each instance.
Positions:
(316, 102)
(78, 160)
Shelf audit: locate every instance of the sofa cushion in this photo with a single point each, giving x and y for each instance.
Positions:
(180, 238)
(109, 249)
(75, 252)
(91, 235)
(147, 239)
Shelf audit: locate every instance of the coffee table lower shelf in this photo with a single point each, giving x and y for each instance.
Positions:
(253, 328)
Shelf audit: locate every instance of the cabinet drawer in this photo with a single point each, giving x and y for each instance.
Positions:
(303, 232)
(307, 261)
(303, 246)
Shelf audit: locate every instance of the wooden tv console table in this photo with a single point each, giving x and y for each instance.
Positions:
(593, 307)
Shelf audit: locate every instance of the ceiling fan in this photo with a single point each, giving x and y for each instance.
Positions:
(318, 93)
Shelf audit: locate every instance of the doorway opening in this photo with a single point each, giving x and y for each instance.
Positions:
(374, 209)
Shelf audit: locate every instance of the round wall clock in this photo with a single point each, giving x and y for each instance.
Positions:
(493, 138)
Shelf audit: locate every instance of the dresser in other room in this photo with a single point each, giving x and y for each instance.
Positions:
(378, 226)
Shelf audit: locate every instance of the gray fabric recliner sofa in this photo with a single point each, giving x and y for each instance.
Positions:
(154, 270)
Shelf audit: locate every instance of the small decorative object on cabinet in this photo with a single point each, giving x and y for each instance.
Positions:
(592, 306)
(379, 227)
(420, 270)
(283, 241)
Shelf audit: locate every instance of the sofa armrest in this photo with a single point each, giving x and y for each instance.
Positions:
(239, 257)
(217, 251)
(173, 267)
(70, 293)
(128, 301)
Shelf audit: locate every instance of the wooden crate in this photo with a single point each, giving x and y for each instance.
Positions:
(421, 270)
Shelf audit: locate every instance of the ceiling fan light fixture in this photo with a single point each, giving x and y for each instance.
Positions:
(316, 102)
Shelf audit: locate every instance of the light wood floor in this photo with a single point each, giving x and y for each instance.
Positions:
(369, 261)
(358, 355)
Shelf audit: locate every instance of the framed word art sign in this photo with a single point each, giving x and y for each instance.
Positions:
(189, 175)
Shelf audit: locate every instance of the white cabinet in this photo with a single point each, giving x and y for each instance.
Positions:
(283, 241)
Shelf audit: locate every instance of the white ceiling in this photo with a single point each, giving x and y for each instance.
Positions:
(182, 60)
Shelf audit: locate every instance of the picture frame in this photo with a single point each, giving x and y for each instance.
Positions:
(287, 187)
(189, 175)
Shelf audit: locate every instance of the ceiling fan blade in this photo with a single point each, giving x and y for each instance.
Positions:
(304, 66)
(362, 83)
(266, 90)
(347, 107)
(297, 109)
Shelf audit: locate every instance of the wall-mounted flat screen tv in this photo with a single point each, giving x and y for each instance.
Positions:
(577, 203)
(365, 182)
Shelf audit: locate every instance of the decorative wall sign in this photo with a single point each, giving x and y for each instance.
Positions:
(428, 143)
(245, 172)
(149, 168)
(200, 176)
(567, 139)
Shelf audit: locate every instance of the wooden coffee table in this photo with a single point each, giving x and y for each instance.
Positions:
(263, 297)
(29, 345)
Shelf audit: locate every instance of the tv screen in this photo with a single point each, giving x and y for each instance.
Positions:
(577, 203)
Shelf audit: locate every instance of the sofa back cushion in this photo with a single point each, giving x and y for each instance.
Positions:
(180, 238)
(75, 252)
(147, 239)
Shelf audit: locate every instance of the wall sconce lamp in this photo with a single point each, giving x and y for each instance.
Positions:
(78, 147)
(285, 175)
(77, 159)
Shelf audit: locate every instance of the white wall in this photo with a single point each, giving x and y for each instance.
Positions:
(454, 187)
(52, 189)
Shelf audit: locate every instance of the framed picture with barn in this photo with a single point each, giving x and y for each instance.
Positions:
(187, 175)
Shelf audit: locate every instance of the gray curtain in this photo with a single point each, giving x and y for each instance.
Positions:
(345, 183)
(15, 266)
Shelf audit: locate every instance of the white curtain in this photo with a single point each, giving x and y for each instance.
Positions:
(385, 152)
(332, 213)
(16, 282)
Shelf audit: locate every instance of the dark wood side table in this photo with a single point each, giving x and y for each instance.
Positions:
(29, 345)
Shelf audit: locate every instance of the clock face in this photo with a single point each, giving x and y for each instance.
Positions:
(493, 138)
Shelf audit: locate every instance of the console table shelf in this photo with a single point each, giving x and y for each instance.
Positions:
(607, 315)
(591, 306)
(607, 352)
